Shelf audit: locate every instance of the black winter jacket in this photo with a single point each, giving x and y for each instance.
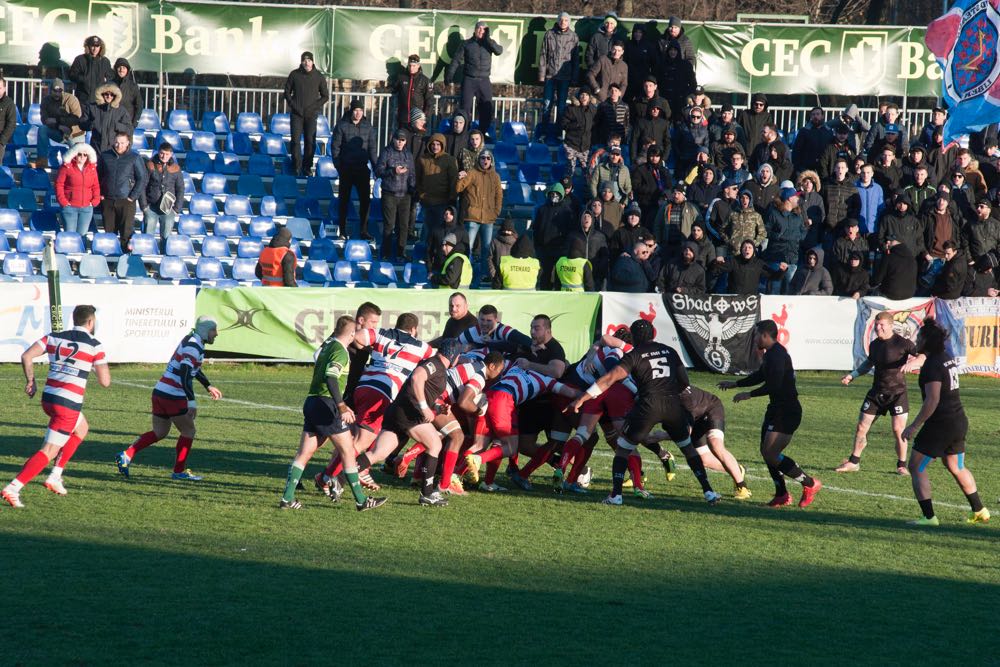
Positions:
(121, 176)
(475, 57)
(306, 92)
(89, 73)
(578, 122)
(162, 178)
(131, 97)
(353, 146)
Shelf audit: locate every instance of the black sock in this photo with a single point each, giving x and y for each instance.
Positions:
(974, 502)
(854, 459)
(741, 485)
(657, 449)
(927, 507)
(698, 468)
(428, 469)
(779, 481)
(789, 468)
(900, 463)
(363, 462)
(618, 467)
(556, 455)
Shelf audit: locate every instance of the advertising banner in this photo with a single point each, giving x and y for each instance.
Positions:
(973, 325)
(619, 309)
(817, 330)
(719, 329)
(291, 323)
(135, 323)
(907, 317)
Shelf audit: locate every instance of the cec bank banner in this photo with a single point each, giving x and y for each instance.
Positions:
(290, 323)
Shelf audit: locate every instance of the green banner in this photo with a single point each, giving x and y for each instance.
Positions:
(290, 323)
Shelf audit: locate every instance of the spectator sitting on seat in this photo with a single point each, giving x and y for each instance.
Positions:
(982, 278)
(435, 238)
(60, 112)
(578, 125)
(77, 188)
(574, 271)
(895, 276)
(456, 271)
(276, 266)
(812, 278)
(457, 138)
(684, 275)
(954, 274)
(746, 270)
(631, 272)
(163, 196)
(851, 280)
(611, 168)
(519, 270)
(105, 117)
(131, 97)
(90, 70)
(500, 247)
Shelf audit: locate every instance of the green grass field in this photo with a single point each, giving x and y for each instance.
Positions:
(155, 571)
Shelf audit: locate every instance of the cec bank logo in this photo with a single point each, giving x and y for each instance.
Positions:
(118, 24)
(863, 55)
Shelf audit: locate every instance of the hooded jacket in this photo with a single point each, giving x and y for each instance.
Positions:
(595, 245)
(814, 281)
(691, 138)
(810, 146)
(437, 175)
(436, 235)
(578, 123)
(625, 238)
(812, 203)
(131, 99)
(78, 187)
(106, 119)
(456, 142)
(753, 122)
(848, 281)
(599, 45)
(353, 145)
(906, 227)
(482, 195)
(679, 276)
(951, 281)
(88, 73)
(896, 274)
(551, 225)
(763, 194)
(501, 246)
(385, 168)
(785, 231)
(701, 194)
(683, 43)
(629, 275)
(162, 178)
(655, 129)
(843, 247)
(412, 91)
(475, 57)
(834, 152)
(650, 183)
(62, 112)
(856, 125)
(744, 224)
(676, 77)
(560, 58)
(745, 274)
(705, 250)
(306, 92)
(282, 239)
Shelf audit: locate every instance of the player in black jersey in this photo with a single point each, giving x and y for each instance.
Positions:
(660, 377)
(708, 432)
(888, 354)
(782, 417)
(411, 416)
(940, 427)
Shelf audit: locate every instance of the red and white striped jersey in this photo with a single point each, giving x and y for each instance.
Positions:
(72, 355)
(525, 385)
(190, 353)
(471, 374)
(471, 336)
(395, 354)
(598, 363)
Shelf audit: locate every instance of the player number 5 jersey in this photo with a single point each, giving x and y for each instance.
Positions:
(72, 355)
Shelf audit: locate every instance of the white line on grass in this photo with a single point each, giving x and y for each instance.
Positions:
(264, 406)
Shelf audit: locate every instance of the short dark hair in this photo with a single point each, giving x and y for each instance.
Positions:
(934, 336)
(489, 310)
(768, 327)
(166, 146)
(544, 318)
(454, 294)
(493, 358)
(407, 321)
(948, 245)
(124, 134)
(344, 322)
(366, 309)
(82, 313)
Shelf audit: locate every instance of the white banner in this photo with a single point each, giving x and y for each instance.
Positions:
(135, 323)
(817, 330)
(618, 308)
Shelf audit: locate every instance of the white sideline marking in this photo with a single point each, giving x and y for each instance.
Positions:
(265, 406)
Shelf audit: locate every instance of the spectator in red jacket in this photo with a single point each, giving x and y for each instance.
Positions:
(78, 189)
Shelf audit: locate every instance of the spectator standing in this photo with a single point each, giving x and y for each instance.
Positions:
(900, 223)
(411, 90)
(763, 187)
(786, 229)
(519, 270)
(612, 168)
(736, 170)
(612, 116)
(437, 176)
(456, 272)
(938, 118)
(501, 246)
(608, 70)
(8, 117)
(553, 220)
(482, 201)
(839, 148)
(131, 98)
(812, 278)
(744, 224)
(692, 139)
(954, 274)
(840, 196)
(574, 271)
(887, 172)
(651, 184)
(630, 270)
(940, 226)
(811, 142)
(629, 233)
(879, 131)
(122, 178)
(457, 138)
(726, 120)
(746, 270)
(475, 57)
(77, 188)
(684, 275)
(595, 245)
(812, 206)
(276, 265)
(872, 200)
(705, 189)
(305, 94)
(675, 33)
(353, 149)
(468, 157)
(578, 125)
(600, 43)
(753, 120)
(653, 127)
(723, 150)
(640, 56)
(106, 118)
(398, 172)
(849, 242)
(719, 210)
(676, 79)
(983, 231)
(674, 220)
(162, 198)
(852, 280)
(90, 70)
(435, 238)
(764, 150)
(61, 114)
(416, 133)
(895, 276)
(558, 65)
(857, 127)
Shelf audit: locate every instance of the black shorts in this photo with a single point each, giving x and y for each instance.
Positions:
(937, 440)
(714, 419)
(880, 403)
(321, 417)
(648, 412)
(401, 417)
(535, 416)
(784, 418)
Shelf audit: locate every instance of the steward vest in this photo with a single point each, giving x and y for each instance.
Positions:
(570, 272)
(466, 279)
(271, 274)
(519, 273)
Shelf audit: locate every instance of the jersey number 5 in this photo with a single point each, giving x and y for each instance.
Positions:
(660, 368)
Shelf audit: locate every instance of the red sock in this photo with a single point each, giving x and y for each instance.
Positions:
(143, 441)
(414, 451)
(448, 468)
(570, 451)
(32, 467)
(491, 470)
(334, 468)
(494, 453)
(579, 463)
(68, 450)
(183, 447)
(541, 455)
(635, 469)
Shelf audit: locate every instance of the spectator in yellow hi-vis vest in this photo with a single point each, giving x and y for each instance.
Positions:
(574, 271)
(519, 270)
(456, 272)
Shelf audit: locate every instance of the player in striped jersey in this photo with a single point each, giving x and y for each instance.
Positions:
(173, 400)
(513, 388)
(73, 354)
(493, 334)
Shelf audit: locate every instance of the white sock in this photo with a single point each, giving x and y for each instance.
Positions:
(56, 472)
(14, 485)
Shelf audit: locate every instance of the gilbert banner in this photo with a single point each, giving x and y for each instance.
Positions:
(974, 325)
(290, 323)
(719, 329)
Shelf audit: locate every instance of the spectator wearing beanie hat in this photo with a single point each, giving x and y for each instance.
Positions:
(412, 91)
(305, 94)
(558, 65)
(600, 43)
(353, 148)
(675, 33)
(500, 247)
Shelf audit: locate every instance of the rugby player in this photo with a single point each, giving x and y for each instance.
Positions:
(174, 401)
(327, 417)
(940, 427)
(782, 417)
(492, 334)
(410, 416)
(660, 377)
(888, 355)
(72, 355)
(368, 316)
(708, 433)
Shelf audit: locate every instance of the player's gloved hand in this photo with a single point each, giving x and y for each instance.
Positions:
(214, 393)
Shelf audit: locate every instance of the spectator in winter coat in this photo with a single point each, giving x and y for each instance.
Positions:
(60, 112)
(416, 133)
(674, 220)
(983, 279)
(651, 183)
(630, 231)
(675, 33)
(411, 90)
(500, 247)
(724, 149)
(163, 196)
(850, 242)
(398, 172)
(915, 159)
(852, 280)
(653, 127)
(552, 222)
(612, 116)
(106, 118)
(90, 70)
(754, 119)
(131, 98)
(600, 43)
(450, 224)
(611, 168)
(676, 78)
(856, 125)
(786, 229)
(763, 187)
(970, 167)
(983, 231)
(305, 93)
(595, 244)
(812, 278)
(744, 223)
(77, 188)
(482, 200)
(705, 189)
(558, 65)
(878, 131)
(123, 179)
(647, 95)
(871, 200)
(698, 98)
(437, 177)
(745, 270)
(895, 276)
(457, 138)
(839, 148)
(353, 149)
(763, 152)
(468, 157)
(737, 170)
(574, 272)
(954, 274)
(938, 117)
(705, 250)
(456, 272)
(630, 271)
(887, 173)
(811, 142)
(921, 192)
(719, 210)
(812, 201)
(684, 275)
(783, 168)
(612, 209)
(578, 125)
(281, 239)
(901, 223)
(692, 138)
(891, 142)
(726, 120)
(840, 197)
(940, 226)
(475, 57)
(607, 70)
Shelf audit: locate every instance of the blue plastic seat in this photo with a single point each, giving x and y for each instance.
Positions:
(505, 152)
(382, 273)
(173, 268)
(22, 199)
(250, 185)
(322, 249)
(323, 130)
(538, 154)
(285, 186)
(209, 268)
(131, 266)
(249, 246)
(181, 120)
(307, 207)
(514, 132)
(239, 143)
(171, 137)
(17, 264)
(249, 122)
(202, 204)
(6, 178)
(227, 225)
(260, 165)
(244, 268)
(316, 271)
(271, 207)
(419, 251)
(66, 274)
(34, 115)
(529, 173)
(262, 226)
(68, 243)
(281, 123)
(272, 144)
(357, 250)
(215, 122)
(188, 183)
(213, 184)
(35, 179)
(415, 273)
(25, 136)
(518, 194)
(94, 266)
(106, 244)
(179, 245)
(325, 168)
(197, 162)
(191, 224)
(55, 156)
(15, 157)
(45, 220)
(139, 140)
(238, 205)
(30, 241)
(215, 246)
(346, 272)
(319, 187)
(227, 163)
(300, 228)
(144, 244)
(203, 141)
(149, 121)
